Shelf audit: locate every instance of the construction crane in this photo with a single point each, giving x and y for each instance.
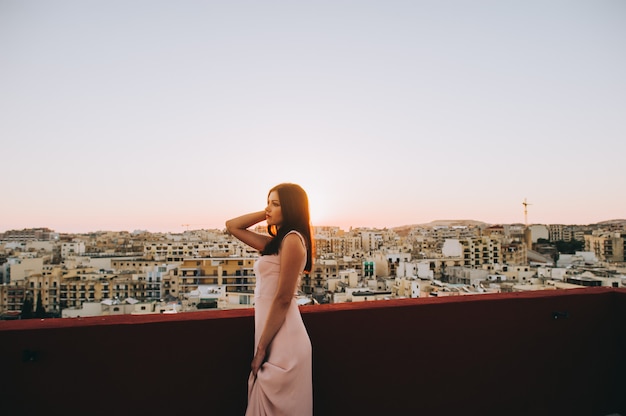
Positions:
(526, 204)
(186, 225)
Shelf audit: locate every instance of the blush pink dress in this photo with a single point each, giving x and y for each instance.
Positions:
(283, 385)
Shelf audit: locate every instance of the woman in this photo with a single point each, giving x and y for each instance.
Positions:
(280, 382)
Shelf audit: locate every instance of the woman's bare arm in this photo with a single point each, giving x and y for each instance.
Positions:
(238, 227)
(292, 253)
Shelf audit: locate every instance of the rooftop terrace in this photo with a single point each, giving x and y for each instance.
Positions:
(559, 352)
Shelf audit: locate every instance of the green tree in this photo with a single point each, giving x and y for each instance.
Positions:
(570, 247)
(27, 308)
(40, 311)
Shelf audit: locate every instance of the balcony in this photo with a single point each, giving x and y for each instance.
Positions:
(539, 353)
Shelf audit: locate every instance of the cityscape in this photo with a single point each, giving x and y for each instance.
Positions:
(132, 130)
(44, 273)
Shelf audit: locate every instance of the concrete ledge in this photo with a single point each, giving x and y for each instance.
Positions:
(551, 352)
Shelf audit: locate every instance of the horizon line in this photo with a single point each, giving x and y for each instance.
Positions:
(433, 222)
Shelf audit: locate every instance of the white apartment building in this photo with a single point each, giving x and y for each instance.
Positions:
(169, 251)
(371, 240)
(109, 307)
(42, 283)
(21, 268)
(556, 232)
(539, 231)
(467, 276)
(607, 246)
(338, 245)
(483, 250)
(154, 279)
(561, 232)
(134, 264)
(234, 275)
(346, 278)
(73, 248)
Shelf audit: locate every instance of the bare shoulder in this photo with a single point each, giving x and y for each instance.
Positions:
(293, 241)
(292, 254)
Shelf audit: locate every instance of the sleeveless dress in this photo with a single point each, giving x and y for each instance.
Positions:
(284, 384)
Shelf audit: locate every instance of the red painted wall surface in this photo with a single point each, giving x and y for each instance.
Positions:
(540, 353)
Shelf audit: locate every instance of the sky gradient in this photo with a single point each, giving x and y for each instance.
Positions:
(125, 115)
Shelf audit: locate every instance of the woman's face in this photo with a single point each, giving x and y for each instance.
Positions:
(273, 212)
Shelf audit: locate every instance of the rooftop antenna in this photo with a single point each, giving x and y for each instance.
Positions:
(186, 225)
(526, 204)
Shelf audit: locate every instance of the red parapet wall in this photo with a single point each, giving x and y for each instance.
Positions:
(552, 352)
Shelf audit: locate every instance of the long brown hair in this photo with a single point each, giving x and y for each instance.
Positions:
(294, 204)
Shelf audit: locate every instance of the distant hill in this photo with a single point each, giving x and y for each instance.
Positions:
(453, 223)
(403, 230)
(613, 222)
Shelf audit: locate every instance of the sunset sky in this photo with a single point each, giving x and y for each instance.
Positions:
(126, 114)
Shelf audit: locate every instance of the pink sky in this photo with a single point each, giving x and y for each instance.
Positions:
(388, 113)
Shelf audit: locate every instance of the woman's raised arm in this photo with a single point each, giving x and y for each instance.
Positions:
(238, 227)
